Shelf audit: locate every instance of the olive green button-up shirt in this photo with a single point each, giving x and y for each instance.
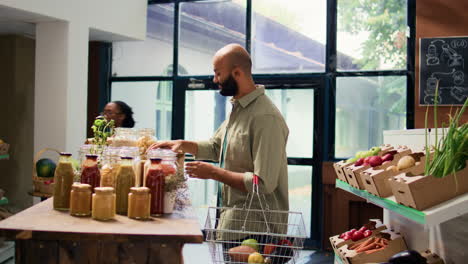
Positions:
(256, 144)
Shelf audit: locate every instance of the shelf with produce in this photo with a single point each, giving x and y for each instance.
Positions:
(338, 260)
(429, 217)
(3, 201)
(5, 156)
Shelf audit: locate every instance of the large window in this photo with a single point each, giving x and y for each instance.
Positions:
(149, 57)
(366, 106)
(372, 35)
(340, 72)
(288, 36)
(151, 103)
(206, 27)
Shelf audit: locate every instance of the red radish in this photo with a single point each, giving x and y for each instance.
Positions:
(367, 233)
(359, 162)
(393, 152)
(363, 228)
(357, 235)
(346, 237)
(352, 230)
(375, 161)
(387, 157)
(342, 235)
(366, 159)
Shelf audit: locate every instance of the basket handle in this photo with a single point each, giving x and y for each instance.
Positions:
(255, 192)
(39, 154)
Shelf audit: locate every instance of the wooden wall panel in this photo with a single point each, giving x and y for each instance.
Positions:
(437, 18)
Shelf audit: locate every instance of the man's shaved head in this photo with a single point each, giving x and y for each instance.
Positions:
(235, 56)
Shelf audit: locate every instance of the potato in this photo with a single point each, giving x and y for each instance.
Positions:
(406, 162)
(392, 168)
(241, 253)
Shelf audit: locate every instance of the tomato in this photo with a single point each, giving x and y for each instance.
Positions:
(285, 242)
(367, 233)
(358, 235)
(268, 249)
(363, 228)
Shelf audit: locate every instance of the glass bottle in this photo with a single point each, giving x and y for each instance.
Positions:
(146, 138)
(125, 179)
(135, 154)
(110, 165)
(155, 182)
(103, 203)
(63, 180)
(139, 203)
(124, 137)
(169, 162)
(84, 150)
(90, 172)
(80, 199)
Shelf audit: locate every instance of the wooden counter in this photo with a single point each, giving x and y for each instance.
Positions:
(44, 235)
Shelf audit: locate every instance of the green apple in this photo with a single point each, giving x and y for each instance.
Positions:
(251, 243)
(375, 150)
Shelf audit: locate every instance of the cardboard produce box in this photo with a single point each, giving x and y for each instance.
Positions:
(431, 258)
(421, 192)
(375, 225)
(375, 179)
(395, 244)
(353, 172)
(339, 166)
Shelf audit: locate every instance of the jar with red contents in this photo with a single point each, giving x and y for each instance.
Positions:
(169, 162)
(155, 180)
(90, 172)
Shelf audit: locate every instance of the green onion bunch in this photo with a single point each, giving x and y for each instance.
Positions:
(451, 152)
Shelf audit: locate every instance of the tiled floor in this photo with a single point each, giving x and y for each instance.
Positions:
(199, 253)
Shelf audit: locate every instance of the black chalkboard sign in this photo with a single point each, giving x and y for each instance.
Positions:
(443, 60)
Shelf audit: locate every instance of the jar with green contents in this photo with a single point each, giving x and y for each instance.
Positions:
(103, 203)
(63, 179)
(124, 180)
(80, 199)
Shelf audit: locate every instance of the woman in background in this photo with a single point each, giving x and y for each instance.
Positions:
(120, 112)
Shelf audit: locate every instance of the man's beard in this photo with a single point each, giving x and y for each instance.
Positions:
(229, 87)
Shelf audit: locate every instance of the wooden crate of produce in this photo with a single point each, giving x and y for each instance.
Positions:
(375, 179)
(421, 192)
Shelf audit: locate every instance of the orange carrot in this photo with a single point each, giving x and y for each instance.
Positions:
(365, 243)
(354, 246)
(368, 247)
(373, 250)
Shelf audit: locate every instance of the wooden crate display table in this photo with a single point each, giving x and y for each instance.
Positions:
(44, 235)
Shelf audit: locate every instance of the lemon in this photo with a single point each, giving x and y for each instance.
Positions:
(255, 258)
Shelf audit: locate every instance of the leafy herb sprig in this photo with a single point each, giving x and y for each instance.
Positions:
(102, 129)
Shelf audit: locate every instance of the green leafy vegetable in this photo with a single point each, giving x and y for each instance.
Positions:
(451, 152)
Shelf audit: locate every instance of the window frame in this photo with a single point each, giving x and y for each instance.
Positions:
(325, 131)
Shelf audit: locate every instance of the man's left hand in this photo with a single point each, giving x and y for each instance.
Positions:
(201, 170)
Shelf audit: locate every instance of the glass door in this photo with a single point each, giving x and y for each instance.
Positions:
(299, 102)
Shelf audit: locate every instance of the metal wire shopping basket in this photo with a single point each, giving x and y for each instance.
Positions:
(276, 236)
